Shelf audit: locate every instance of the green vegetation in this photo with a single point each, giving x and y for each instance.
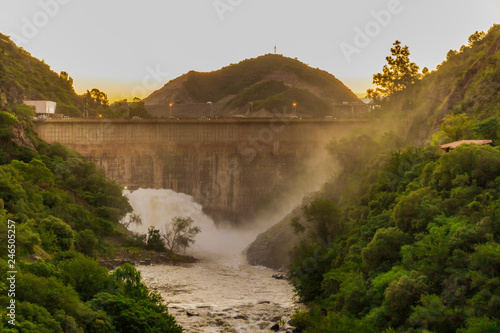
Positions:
(66, 217)
(413, 245)
(405, 238)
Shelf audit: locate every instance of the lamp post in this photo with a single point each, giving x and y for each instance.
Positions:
(170, 105)
(211, 109)
(294, 109)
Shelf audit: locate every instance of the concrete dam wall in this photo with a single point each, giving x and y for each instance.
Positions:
(226, 165)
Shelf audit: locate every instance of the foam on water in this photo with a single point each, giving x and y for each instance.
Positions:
(220, 292)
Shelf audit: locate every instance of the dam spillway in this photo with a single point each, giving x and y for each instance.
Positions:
(227, 165)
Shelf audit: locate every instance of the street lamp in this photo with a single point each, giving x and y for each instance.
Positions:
(170, 105)
(211, 109)
(294, 108)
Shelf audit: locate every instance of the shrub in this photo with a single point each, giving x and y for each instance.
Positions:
(481, 325)
(40, 268)
(61, 230)
(414, 211)
(86, 242)
(85, 275)
(131, 316)
(154, 240)
(383, 250)
(35, 318)
(52, 294)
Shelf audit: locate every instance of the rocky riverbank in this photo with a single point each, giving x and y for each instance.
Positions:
(142, 257)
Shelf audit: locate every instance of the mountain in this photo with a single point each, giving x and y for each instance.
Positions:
(254, 87)
(25, 77)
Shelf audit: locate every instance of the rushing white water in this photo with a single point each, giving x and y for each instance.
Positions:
(220, 292)
(158, 207)
(223, 294)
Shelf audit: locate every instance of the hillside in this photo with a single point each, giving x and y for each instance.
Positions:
(59, 220)
(405, 238)
(463, 91)
(256, 87)
(467, 82)
(63, 217)
(25, 77)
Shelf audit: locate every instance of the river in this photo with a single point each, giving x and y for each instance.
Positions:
(221, 292)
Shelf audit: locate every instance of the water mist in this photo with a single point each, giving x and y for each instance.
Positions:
(158, 207)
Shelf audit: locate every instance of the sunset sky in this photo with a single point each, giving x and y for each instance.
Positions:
(131, 48)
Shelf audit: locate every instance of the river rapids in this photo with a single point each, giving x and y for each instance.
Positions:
(220, 292)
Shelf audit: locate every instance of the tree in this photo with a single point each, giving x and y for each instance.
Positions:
(62, 232)
(154, 240)
(476, 37)
(180, 233)
(95, 101)
(132, 307)
(130, 282)
(131, 219)
(384, 249)
(402, 294)
(138, 109)
(398, 74)
(85, 275)
(65, 76)
(98, 97)
(455, 127)
(86, 242)
(324, 217)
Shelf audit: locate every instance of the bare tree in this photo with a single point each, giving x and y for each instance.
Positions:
(179, 234)
(131, 219)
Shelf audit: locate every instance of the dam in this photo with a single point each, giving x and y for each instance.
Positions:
(227, 165)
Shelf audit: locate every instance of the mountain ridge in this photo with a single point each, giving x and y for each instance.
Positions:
(23, 76)
(258, 85)
(467, 82)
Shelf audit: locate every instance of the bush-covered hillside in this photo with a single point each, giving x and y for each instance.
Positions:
(410, 243)
(466, 83)
(406, 238)
(25, 77)
(269, 82)
(66, 213)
